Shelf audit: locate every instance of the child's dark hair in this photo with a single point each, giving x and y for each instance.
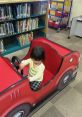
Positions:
(37, 53)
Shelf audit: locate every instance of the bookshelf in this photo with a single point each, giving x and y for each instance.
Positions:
(59, 13)
(20, 22)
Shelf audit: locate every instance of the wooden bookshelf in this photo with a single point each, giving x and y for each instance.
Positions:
(20, 22)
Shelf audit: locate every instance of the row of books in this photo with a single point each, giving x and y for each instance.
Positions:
(22, 10)
(6, 12)
(25, 39)
(27, 9)
(58, 13)
(27, 24)
(56, 5)
(44, 7)
(59, 6)
(6, 29)
(58, 21)
(40, 9)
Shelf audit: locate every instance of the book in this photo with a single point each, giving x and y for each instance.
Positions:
(25, 39)
(23, 10)
(1, 46)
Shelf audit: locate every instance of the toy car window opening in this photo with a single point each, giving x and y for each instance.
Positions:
(52, 61)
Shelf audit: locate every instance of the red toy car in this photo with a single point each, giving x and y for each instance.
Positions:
(16, 96)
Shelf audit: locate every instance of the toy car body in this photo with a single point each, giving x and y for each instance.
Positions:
(16, 96)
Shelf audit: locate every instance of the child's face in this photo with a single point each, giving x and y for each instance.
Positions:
(36, 62)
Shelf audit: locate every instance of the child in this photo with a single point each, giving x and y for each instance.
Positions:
(36, 67)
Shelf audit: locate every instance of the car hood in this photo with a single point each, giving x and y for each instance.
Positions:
(8, 75)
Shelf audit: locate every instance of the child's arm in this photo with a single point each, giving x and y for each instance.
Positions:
(24, 63)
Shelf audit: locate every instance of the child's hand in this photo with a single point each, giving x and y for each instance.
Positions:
(21, 66)
(19, 70)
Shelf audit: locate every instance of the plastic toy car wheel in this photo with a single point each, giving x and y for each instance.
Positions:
(66, 78)
(20, 111)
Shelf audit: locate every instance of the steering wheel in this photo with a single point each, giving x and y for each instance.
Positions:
(16, 61)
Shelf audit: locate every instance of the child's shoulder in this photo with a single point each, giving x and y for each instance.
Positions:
(42, 66)
(29, 59)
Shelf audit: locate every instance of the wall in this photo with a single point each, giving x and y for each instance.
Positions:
(76, 8)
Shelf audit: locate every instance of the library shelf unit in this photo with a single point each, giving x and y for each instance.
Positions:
(20, 22)
(59, 13)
